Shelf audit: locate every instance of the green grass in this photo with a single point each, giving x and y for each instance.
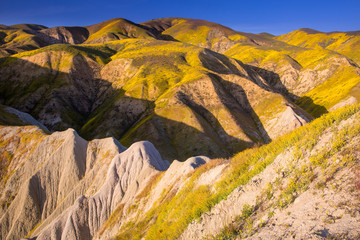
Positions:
(331, 90)
(160, 68)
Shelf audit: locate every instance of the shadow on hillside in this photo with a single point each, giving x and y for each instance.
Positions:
(240, 108)
(213, 128)
(78, 34)
(156, 33)
(218, 63)
(267, 80)
(79, 100)
(67, 99)
(273, 79)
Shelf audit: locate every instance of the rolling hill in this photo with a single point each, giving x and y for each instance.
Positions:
(178, 128)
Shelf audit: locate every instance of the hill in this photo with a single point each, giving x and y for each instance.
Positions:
(130, 88)
(60, 185)
(178, 128)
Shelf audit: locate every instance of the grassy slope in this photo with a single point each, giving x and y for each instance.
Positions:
(196, 31)
(168, 218)
(49, 68)
(346, 79)
(338, 86)
(163, 68)
(115, 29)
(345, 43)
(299, 46)
(18, 40)
(165, 65)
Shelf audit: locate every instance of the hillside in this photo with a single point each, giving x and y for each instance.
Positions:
(105, 190)
(129, 81)
(129, 89)
(178, 128)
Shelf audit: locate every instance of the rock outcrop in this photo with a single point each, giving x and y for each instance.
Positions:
(67, 35)
(55, 170)
(127, 174)
(26, 118)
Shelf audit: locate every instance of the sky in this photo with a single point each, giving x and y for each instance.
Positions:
(276, 17)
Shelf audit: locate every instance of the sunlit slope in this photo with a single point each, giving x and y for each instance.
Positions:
(308, 63)
(345, 43)
(117, 28)
(137, 89)
(319, 78)
(254, 193)
(181, 97)
(152, 80)
(202, 33)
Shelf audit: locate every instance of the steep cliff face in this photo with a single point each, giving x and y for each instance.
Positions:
(60, 186)
(54, 169)
(128, 173)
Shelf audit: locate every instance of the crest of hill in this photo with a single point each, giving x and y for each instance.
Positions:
(194, 31)
(118, 28)
(163, 24)
(210, 35)
(344, 43)
(29, 27)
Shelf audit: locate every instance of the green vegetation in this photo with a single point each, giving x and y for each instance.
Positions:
(335, 78)
(18, 40)
(344, 43)
(336, 88)
(300, 176)
(118, 29)
(177, 212)
(162, 69)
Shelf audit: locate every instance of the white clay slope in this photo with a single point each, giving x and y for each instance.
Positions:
(50, 176)
(128, 173)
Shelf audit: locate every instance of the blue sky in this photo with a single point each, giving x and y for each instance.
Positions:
(276, 17)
